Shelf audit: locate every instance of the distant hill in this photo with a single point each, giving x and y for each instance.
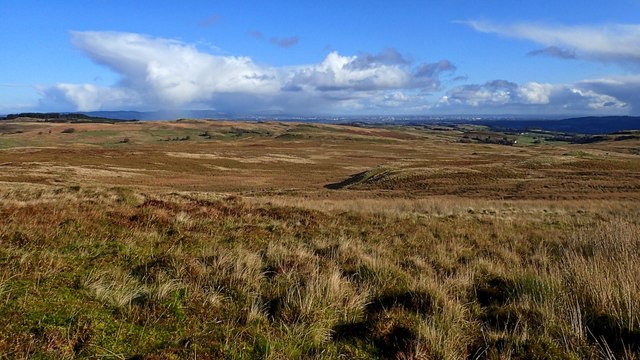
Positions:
(62, 118)
(111, 116)
(580, 125)
(160, 115)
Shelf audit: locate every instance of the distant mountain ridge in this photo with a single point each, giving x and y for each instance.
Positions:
(62, 118)
(581, 125)
(160, 115)
(577, 125)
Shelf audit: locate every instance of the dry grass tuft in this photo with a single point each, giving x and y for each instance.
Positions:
(117, 289)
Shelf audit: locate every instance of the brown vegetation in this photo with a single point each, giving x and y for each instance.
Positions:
(230, 246)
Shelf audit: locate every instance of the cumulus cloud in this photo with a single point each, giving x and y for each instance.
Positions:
(162, 71)
(427, 76)
(86, 97)
(618, 43)
(534, 97)
(624, 88)
(165, 73)
(158, 73)
(367, 72)
(611, 42)
(337, 72)
(388, 56)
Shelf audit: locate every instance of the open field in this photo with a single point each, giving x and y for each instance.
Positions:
(203, 239)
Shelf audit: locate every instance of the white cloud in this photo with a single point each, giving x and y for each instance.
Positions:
(492, 93)
(171, 72)
(159, 73)
(339, 72)
(164, 73)
(87, 97)
(610, 42)
(619, 43)
(535, 93)
(624, 88)
(534, 98)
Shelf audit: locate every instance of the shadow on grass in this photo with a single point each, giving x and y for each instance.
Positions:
(391, 336)
(353, 179)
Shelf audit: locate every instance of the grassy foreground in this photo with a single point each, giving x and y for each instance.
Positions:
(89, 269)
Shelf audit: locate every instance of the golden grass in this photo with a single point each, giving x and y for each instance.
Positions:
(398, 284)
(119, 250)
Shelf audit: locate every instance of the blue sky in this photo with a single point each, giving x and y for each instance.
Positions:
(330, 57)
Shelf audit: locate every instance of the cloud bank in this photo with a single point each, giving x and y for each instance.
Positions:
(164, 73)
(529, 97)
(624, 88)
(159, 73)
(615, 43)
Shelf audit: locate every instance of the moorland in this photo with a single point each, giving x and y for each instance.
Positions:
(214, 239)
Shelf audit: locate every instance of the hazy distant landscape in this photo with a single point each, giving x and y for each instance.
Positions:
(579, 125)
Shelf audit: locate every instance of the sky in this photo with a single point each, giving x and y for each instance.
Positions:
(348, 57)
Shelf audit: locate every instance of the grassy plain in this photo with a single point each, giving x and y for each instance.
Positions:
(203, 239)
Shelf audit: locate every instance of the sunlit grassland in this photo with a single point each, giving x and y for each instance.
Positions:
(234, 248)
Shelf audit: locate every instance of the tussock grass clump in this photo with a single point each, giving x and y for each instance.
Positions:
(173, 276)
(324, 297)
(603, 270)
(121, 290)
